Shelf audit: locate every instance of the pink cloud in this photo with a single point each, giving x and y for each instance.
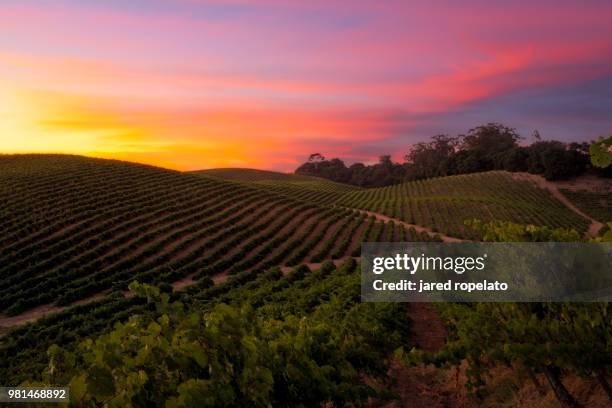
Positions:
(293, 73)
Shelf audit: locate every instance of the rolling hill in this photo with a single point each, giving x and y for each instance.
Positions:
(314, 189)
(595, 204)
(74, 227)
(77, 231)
(246, 174)
(444, 203)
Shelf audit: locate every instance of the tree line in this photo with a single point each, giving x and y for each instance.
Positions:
(487, 147)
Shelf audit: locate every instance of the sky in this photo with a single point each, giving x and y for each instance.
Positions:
(195, 84)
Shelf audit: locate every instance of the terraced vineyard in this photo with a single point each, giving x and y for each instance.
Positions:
(84, 226)
(440, 204)
(24, 351)
(254, 175)
(77, 231)
(301, 187)
(595, 204)
(277, 180)
(444, 203)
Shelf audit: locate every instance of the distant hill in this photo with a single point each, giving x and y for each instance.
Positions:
(315, 189)
(444, 203)
(440, 203)
(246, 174)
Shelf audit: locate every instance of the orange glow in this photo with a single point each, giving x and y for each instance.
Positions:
(55, 122)
(203, 84)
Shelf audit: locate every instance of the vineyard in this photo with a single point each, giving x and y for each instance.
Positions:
(77, 232)
(444, 203)
(596, 204)
(24, 351)
(253, 175)
(282, 345)
(277, 180)
(81, 227)
(313, 189)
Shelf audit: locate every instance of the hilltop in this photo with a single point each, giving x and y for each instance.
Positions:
(247, 174)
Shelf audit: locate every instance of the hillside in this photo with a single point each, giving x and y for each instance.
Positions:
(74, 227)
(593, 195)
(245, 174)
(77, 231)
(444, 203)
(301, 187)
(597, 205)
(77, 227)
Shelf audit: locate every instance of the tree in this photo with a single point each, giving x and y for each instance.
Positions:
(318, 166)
(556, 160)
(514, 159)
(487, 147)
(490, 139)
(316, 158)
(536, 136)
(383, 173)
(432, 159)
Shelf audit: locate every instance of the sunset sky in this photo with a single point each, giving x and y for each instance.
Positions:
(192, 84)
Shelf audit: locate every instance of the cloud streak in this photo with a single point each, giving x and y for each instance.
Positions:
(197, 84)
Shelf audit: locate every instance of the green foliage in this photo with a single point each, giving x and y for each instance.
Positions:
(442, 204)
(597, 204)
(431, 159)
(556, 160)
(505, 231)
(260, 338)
(605, 234)
(601, 152)
(568, 335)
(482, 147)
(267, 352)
(540, 336)
(74, 227)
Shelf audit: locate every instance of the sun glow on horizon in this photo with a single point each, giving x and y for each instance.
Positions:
(192, 85)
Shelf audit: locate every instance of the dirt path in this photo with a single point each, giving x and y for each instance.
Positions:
(419, 386)
(44, 310)
(220, 278)
(554, 190)
(422, 386)
(418, 228)
(428, 331)
(587, 182)
(41, 311)
(183, 283)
